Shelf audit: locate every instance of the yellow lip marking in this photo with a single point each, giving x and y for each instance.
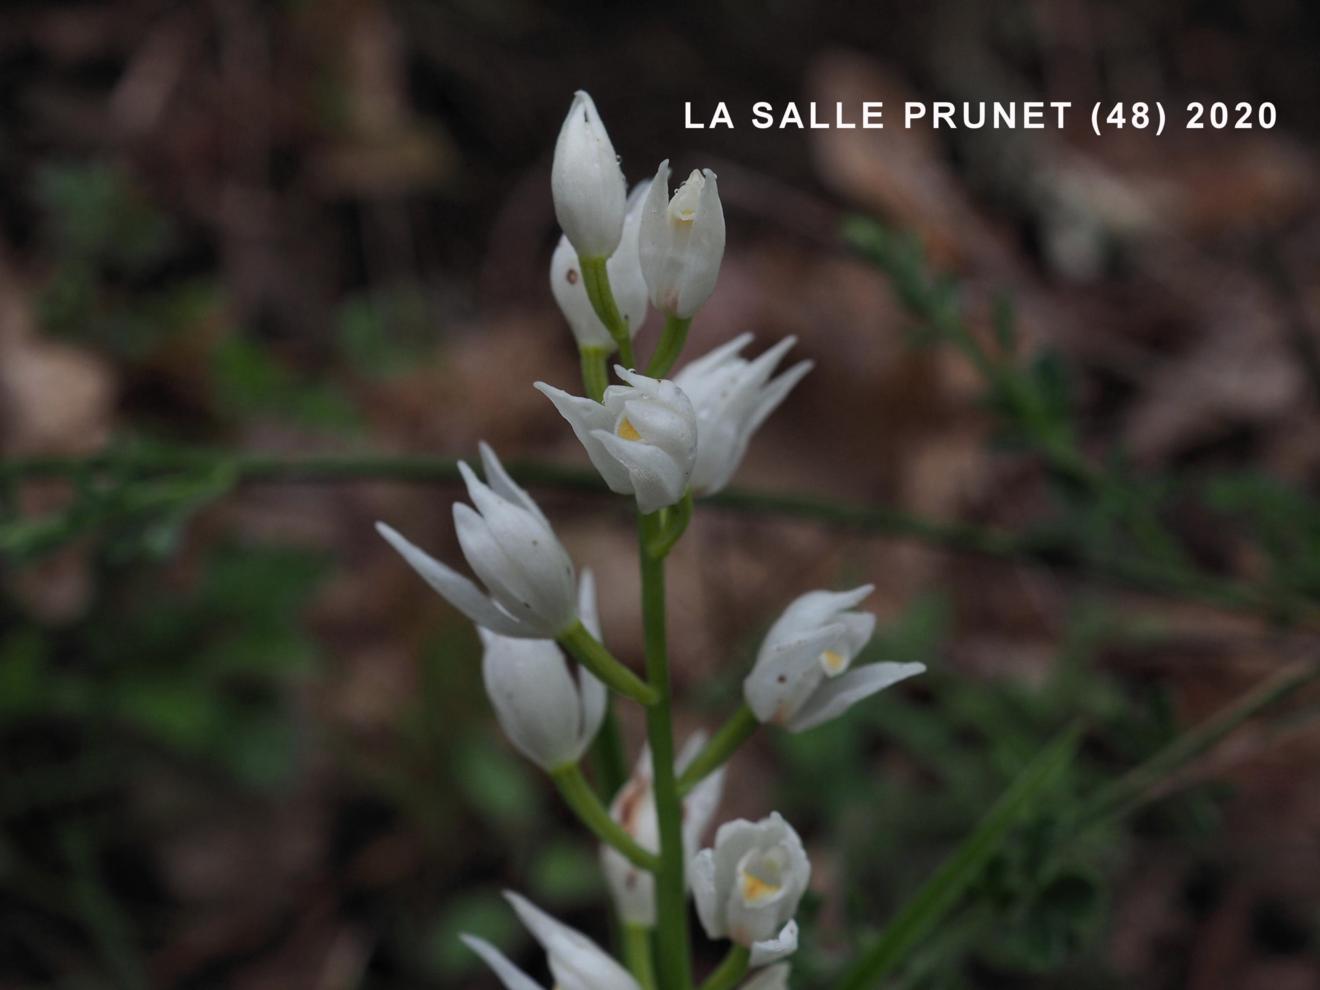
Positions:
(627, 430)
(754, 889)
(834, 661)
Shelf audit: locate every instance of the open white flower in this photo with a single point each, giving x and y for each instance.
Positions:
(576, 962)
(771, 978)
(747, 887)
(509, 544)
(642, 437)
(682, 241)
(587, 182)
(633, 888)
(732, 397)
(802, 676)
(550, 716)
(625, 271)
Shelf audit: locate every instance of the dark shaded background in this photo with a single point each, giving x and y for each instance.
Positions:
(244, 747)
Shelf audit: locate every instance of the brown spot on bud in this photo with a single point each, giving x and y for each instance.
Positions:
(572, 276)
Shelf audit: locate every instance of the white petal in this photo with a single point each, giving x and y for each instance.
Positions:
(654, 236)
(535, 698)
(657, 479)
(632, 889)
(505, 486)
(576, 962)
(586, 417)
(816, 608)
(534, 565)
(699, 367)
(777, 391)
(704, 249)
(835, 697)
(507, 583)
(586, 181)
(788, 673)
(510, 975)
(701, 878)
(454, 588)
(699, 808)
(780, 947)
(594, 694)
(733, 841)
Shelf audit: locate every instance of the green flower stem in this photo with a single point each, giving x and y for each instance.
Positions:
(637, 954)
(595, 371)
(582, 799)
(732, 734)
(591, 653)
(596, 280)
(672, 339)
(730, 971)
(673, 524)
(672, 942)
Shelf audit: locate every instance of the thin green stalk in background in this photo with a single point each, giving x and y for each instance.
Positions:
(1053, 550)
(1138, 785)
(940, 895)
(674, 965)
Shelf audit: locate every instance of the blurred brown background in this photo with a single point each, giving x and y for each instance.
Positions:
(245, 747)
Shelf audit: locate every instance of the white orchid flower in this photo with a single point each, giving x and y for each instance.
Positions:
(576, 962)
(642, 436)
(732, 397)
(771, 978)
(550, 716)
(509, 544)
(587, 182)
(748, 885)
(682, 241)
(633, 808)
(626, 281)
(802, 678)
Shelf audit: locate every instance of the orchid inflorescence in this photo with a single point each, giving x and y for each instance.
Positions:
(663, 442)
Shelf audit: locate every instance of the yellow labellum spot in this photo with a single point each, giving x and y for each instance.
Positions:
(834, 661)
(627, 430)
(755, 889)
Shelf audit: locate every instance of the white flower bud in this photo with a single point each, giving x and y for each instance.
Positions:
(747, 887)
(626, 282)
(548, 715)
(682, 241)
(633, 808)
(509, 544)
(801, 676)
(576, 962)
(771, 978)
(587, 182)
(732, 397)
(642, 437)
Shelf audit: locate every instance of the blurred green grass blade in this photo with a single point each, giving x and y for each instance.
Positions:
(1138, 785)
(940, 895)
